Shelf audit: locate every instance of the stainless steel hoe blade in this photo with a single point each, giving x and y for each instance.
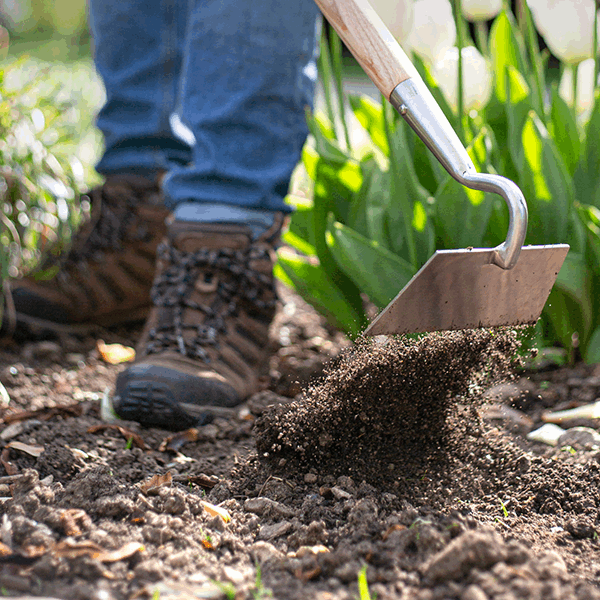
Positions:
(463, 289)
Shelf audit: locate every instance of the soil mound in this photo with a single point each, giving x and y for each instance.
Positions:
(387, 410)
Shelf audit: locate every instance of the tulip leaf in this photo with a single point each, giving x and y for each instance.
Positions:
(565, 132)
(360, 257)
(505, 50)
(310, 281)
(592, 149)
(592, 353)
(301, 226)
(546, 179)
(370, 115)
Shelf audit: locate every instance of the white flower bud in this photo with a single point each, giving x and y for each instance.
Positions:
(477, 78)
(434, 30)
(397, 16)
(585, 86)
(567, 27)
(481, 10)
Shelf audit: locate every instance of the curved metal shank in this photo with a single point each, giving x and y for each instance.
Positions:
(415, 103)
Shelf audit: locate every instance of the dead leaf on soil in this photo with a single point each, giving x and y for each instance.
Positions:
(34, 451)
(155, 482)
(207, 482)
(177, 440)
(308, 574)
(4, 549)
(207, 543)
(44, 414)
(391, 530)
(70, 519)
(115, 354)
(216, 511)
(8, 466)
(135, 438)
(71, 549)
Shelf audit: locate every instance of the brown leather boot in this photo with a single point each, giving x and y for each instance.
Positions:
(206, 340)
(106, 277)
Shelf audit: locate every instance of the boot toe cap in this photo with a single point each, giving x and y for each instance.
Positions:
(164, 397)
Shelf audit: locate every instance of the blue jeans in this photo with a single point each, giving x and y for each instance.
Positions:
(212, 91)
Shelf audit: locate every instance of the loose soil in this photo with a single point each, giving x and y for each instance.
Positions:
(405, 460)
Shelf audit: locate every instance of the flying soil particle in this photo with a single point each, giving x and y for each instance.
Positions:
(390, 408)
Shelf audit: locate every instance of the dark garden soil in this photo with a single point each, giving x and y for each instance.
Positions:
(406, 460)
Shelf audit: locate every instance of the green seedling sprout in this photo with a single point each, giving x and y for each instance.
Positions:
(504, 510)
(568, 449)
(260, 591)
(363, 585)
(226, 588)
(129, 444)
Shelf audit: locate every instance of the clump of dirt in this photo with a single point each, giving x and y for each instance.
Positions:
(386, 410)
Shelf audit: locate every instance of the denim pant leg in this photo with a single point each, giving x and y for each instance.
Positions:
(248, 75)
(138, 53)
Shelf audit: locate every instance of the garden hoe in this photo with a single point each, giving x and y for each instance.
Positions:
(455, 289)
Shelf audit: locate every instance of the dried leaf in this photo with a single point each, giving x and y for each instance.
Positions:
(4, 549)
(216, 511)
(177, 440)
(115, 354)
(70, 519)
(71, 549)
(207, 482)
(8, 466)
(207, 544)
(44, 414)
(155, 482)
(34, 451)
(135, 438)
(126, 551)
(391, 530)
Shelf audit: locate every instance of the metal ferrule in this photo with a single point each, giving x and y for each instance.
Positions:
(413, 100)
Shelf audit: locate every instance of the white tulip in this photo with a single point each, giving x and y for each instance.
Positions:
(477, 78)
(397, 16)
(585, 85)
(567, 27)
(434, 30)
(481, 10)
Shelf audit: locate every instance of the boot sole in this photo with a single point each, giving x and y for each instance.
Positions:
(152, 405)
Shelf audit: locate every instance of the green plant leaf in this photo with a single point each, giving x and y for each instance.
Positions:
(311, 282)
(548, 187)
(361, 259)
(565, 132)
(592, 351)
(506, 50)
(370, 115)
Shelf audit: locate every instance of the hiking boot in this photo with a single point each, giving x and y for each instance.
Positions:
(206, 341)
(106, 277)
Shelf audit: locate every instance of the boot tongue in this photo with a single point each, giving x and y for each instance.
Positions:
(190, 237)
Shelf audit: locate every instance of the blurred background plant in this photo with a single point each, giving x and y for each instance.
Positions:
(49, 94)
(521, 90)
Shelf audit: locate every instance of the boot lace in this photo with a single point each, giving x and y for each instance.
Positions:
(173, 287)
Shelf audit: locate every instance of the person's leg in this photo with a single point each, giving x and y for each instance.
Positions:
(138, 52)
(248, 75)
(107, 276)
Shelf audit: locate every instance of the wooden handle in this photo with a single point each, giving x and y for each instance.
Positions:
(370, 41)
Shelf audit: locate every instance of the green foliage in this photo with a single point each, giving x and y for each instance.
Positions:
(39, 185)
(363, 584)
(380, 205)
